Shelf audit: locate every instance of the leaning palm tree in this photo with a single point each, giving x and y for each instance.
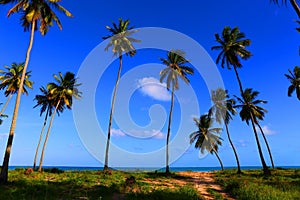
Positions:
(250, 111)
(47, 105)
(10, 80)
(61, 93)
(222, 110)
(33, 14)
(294, 3)
(233, 47)
(121, 42)
(176, 67)
(206, 137)
(294, 78)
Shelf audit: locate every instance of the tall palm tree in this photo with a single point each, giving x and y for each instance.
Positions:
(47, 105)
(294, 3)
(121, 42)
(223, 109)
(206, 137)
(10, 80)
(61, 93)
(233, 47)
(294, 78)
(33, 14)
(176, 67)
(250, 111)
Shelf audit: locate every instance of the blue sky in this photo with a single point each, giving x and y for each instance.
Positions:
(275, 46)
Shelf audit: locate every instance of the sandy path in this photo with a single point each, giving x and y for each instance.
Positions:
(203, 181)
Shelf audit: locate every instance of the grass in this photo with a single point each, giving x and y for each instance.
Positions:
(284, 184)
(57, 184)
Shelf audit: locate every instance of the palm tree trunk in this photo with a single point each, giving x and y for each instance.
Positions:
(40, 139)
(5, 105)
(169, 131)
(220, 161)
(296, 7)
(47, 136)
(239, 81)
(4, 169)
(267, 144)
(111, 113)
(234, 150)
(265, 167)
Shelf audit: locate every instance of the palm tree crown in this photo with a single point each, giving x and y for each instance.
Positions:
(294, 78)
(10, 79)
(64, 89)
(249, 105)
(37, 11)
(120, 39)
(176, 66)
(223, 106)
(206, 137)
(46, 102)
(233, 46)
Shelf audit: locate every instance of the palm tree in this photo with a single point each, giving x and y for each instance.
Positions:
(223, 109)
(47, 105)
(176, 67)
(121, 42)
(294, 3)
(61, 94)
(250, 111)
(10, 80)
(206, 137)
(33, 14)
(233, 47)
(294, 78)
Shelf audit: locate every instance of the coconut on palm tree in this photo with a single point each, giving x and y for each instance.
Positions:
(61, 93)
(121, 43)
(207, 137)
(222, 110)
(250, 111)
(176, 68)
(47, 105)
(10, 79)
(294, 78)
(34, 14)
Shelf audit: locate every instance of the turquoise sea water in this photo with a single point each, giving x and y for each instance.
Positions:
(174, 169)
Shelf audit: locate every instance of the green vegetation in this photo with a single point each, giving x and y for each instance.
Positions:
(57, 184)
(252, 184)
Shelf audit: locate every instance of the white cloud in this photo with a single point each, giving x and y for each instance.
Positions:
(267, 130)
(151, 87)
(117, 133)
(241, 143)
(3, 135)
(154, 134)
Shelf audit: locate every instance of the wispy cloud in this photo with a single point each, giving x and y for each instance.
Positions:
(267, 130)
(3, 135)
(151, 134)
(151, 87)
(241, 143)
(117, 133)
(154, 134)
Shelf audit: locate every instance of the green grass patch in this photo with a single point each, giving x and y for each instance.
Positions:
(57, 184)
(283, 184)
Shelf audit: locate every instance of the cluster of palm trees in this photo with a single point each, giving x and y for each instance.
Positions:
(40, 15)
(233, 48)
(35, 15)
(232, 44)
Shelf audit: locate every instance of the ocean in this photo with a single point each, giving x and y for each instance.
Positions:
(142, 169)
